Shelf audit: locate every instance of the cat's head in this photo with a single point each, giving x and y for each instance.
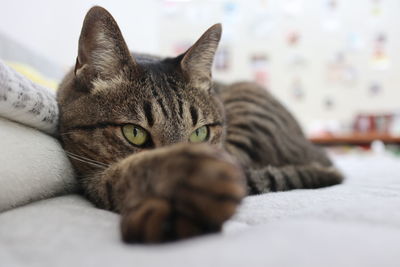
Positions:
(114, 103)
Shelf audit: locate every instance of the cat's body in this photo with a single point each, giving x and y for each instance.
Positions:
(127, 122)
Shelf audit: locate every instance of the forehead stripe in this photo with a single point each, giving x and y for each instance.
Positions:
(164, 111)
(194, 114)
(180, 107)
(148, 112)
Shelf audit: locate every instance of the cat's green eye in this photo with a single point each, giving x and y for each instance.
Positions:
(135, 134)
(199, 135)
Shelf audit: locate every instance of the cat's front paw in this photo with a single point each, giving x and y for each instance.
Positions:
(203, 189)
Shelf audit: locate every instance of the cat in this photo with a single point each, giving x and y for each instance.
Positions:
(158, 141)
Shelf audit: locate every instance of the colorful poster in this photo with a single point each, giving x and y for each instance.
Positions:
(379, 58)
(297, 90)
(340, 72)
(259, 65)
(223, 59)
(328, 103)
(375, 88)
(293, 38)
(180, 47)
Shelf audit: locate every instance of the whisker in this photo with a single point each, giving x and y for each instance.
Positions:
(88, 162)
(84, 159)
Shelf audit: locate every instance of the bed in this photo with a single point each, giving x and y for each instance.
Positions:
(353, 224)
(45, 222)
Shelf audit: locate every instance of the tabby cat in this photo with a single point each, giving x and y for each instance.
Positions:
(158, 141)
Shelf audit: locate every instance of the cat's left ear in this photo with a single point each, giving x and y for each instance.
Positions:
(197, 61)
(102, 51)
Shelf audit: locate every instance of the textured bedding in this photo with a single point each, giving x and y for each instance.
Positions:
(26, 102)
(33, 164)
(353, 224)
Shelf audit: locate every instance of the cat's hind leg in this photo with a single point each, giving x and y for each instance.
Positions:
(272, 179)
(269, 143)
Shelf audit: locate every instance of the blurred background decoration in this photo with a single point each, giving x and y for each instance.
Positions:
(333, 63)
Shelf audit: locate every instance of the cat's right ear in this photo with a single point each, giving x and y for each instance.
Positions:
(102, 52)
(197, 61)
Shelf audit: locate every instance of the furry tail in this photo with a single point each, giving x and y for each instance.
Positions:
(272, 179)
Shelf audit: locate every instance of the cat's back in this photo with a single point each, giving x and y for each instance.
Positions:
(256, 98)
(261, 130)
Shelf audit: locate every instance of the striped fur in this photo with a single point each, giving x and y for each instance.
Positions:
(167, 188)
(270, 144)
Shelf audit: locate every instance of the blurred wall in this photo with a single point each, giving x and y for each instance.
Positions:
(326, 60)
(52, 28)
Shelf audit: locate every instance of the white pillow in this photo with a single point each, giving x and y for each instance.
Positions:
(33, 166)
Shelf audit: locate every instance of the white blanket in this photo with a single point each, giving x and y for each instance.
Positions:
(26, 102)
(353, 224)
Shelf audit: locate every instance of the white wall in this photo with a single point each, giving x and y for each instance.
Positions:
(52, 27)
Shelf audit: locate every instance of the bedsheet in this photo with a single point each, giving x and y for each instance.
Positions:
(353, 224)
